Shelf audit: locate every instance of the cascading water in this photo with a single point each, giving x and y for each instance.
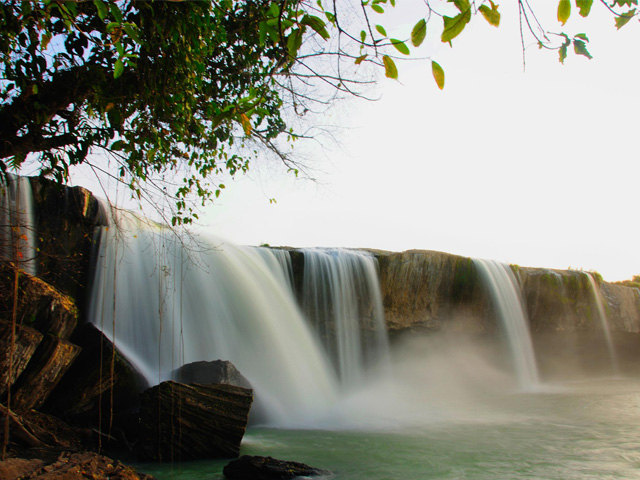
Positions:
(177, 303)
(17, 223)
(341, 297)
(507, 299)
(604, 321)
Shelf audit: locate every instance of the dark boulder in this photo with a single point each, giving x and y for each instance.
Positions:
(185, 422)
(250, 467)
(217, 371)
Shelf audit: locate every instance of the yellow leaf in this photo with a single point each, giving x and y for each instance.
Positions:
(246, 124)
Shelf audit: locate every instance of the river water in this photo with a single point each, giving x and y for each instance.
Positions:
(580, 429)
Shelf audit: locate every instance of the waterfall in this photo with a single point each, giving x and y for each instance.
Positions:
(17, 223)
(604, 321)
(341, 297)
(507, 299)
(178, 300)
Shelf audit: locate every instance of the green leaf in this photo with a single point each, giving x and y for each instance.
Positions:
(563, 49)
(438, 74)
(453, 26)
(381, 30)
(623, 19)
(294, 41)
(564, 11)
(581, 48)
(462, 5)
(117, 145)
(118, 69)
(581, 36)
(390, 69)
(317, 24)
(584, 6)
(622, 3)
(377, 8)
(115, 12)
(102, 9)
(419, 32)
(400, 46)
(491, 15)
(363, 36)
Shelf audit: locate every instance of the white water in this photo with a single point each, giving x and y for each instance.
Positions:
(507, 299)
(604, 321)
(341, 297)
(17, 223)
(208, 300)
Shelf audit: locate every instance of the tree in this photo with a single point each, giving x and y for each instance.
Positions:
(179, 93)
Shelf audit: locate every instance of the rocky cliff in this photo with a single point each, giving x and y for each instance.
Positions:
(429, 291)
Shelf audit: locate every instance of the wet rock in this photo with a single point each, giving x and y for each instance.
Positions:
(183, 422)
(250, 467)
(217, 371)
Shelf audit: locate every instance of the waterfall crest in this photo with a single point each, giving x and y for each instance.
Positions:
(166, 301)
(341, 297)
(604, 321)
(505, 293)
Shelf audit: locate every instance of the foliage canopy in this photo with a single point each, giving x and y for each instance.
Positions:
(173, 91)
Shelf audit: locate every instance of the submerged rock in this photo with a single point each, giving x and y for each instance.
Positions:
(217, 371)
(250, 467)
(185, 422)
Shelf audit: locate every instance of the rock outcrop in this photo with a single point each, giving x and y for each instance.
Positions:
(26, 341)
(65, 221)
(101, 387)
(186, 422)
(43, 354)
(49, 363)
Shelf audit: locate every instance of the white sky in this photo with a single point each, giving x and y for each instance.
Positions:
(538, 168)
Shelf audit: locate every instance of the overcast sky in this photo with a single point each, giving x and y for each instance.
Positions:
(539, 168)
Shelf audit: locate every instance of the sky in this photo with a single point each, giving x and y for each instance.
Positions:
(539, 167)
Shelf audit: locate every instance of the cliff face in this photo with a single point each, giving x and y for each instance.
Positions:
(426, 290)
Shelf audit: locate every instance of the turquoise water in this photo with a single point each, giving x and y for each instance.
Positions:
(578, 430)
